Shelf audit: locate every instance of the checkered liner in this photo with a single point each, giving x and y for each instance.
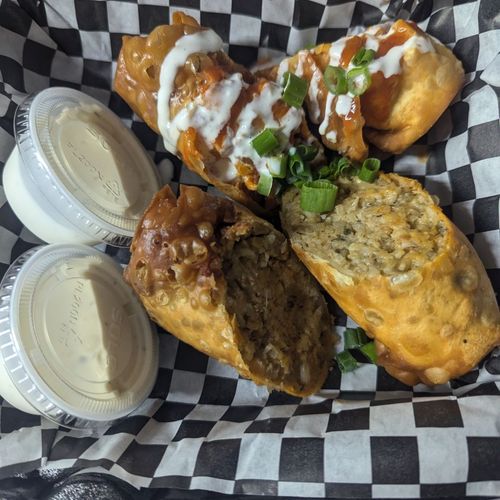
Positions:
(203, 427)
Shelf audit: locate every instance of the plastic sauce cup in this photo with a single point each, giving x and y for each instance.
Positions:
(76, 346)
(77, 174)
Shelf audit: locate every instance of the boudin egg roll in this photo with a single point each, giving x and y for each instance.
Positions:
(399, 80)
(209, 109)
(226, 282)
(400, 268)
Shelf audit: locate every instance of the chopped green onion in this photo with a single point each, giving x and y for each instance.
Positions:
(335, 165)
(354, 338)
(298, 168)
(346, 361)
(335, 80)
(277, 165)
(363, 56)
(307, 153)
(346, 168)
(278, 187)
(265, 142)
(295, 90)
(369, 169)
(318, 196)
(358, 80)
(369, 351)
(265, 184)
(325, 171)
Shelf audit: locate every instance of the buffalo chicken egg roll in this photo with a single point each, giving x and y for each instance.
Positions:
(209, 109)
(226, 282)
(398, 82)
(400, 268)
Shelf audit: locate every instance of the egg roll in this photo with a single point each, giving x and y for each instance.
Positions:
(208, 108)
(400, 269)
(226, 282)
(413, 79)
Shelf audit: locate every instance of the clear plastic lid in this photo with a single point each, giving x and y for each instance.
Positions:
(75, 340)
(87, 164)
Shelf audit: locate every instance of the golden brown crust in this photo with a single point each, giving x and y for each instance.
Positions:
(430, 329)
(137, 81)
(395, 111)
(176, 269)
(428, 83)
(348, 130)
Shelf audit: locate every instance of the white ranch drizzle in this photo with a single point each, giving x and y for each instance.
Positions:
(282, 69)
(202, 41)
(335, 54)
(312, 93)
(343, 104)
(210, 112)
(331, 136)
(390, 63)
(299, 71)
(239, 146)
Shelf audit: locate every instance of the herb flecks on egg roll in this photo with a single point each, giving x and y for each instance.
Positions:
(400, 268)
(225, 281)
(208, 108)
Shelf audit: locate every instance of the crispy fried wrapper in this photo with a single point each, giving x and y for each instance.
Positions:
(226, 282)
(403, 101)
(204, 75)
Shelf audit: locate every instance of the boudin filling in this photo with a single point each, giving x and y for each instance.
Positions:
(380, 228)
(279, 309)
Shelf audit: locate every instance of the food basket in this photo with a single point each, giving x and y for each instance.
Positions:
(203, 427)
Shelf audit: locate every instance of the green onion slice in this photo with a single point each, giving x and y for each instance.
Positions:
(369, 352)
(265, 142)
(346, 361)
(346, 168)
(295, 90)
(307, 153)
(318, 196)
(325, 171)
(354, 338)
(265, 184)
(335, 80)
(369, 169)
(299, 168)
(358, 80)
(277, 165)
(363, 56)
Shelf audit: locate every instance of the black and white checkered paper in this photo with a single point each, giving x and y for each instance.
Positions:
(204, 428)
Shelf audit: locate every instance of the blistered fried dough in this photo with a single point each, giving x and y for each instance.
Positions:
(206, 107)
(393, 261)
(226, 282)
(413, 79)
(401, 110)
(340, 132)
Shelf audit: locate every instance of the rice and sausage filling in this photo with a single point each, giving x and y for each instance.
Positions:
(380, 228)
(279, 310)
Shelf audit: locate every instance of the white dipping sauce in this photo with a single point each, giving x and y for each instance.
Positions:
(77, 174)
(76, 346)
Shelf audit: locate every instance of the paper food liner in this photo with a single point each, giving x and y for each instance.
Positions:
(204, 428)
